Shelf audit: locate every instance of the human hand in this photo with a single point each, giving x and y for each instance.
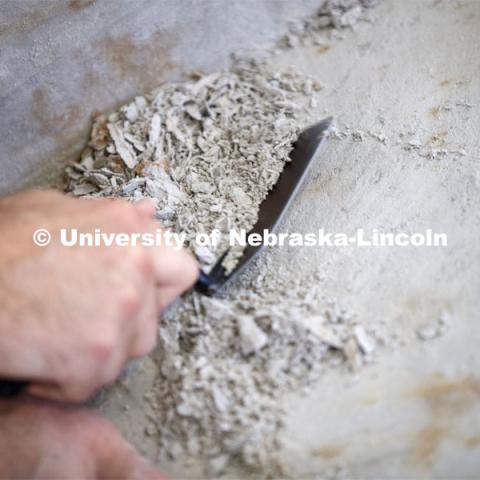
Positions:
(72, 316)
(41, 439)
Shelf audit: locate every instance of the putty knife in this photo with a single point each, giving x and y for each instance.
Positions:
(271, 212)
(274, 206)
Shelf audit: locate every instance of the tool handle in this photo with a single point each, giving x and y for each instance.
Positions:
(204, 283)
(12, 388)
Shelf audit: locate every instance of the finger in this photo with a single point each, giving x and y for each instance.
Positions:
(37, 432)
(166, 296)
(115, 458)
(130, 468)
(142, 470)
(145, 208)
(176, 271)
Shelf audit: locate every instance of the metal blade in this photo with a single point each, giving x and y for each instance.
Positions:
(275, 204)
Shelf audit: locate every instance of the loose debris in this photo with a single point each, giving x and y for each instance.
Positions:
(405, 141)
(434, 329)
(334, 15)
(358, 135)
(206, 150)
(225, 362)
(429, 152)
(364, 341)
(252, 338)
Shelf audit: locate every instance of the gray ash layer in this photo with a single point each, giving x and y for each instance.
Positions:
(207, 151)
(224, 363)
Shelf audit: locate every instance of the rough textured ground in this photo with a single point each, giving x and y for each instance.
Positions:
(403, 86)
(405, 97)
(207, 151)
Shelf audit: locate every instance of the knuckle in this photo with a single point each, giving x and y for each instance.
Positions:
(142, 262)
(129, 304)
(101, 348)
(107, 363)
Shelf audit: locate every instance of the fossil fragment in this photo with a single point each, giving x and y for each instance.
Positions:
(364, 341)
(123, 148)
(252, 338)
(327, 335)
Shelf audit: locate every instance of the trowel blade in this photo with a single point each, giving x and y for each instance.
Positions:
(275, 204)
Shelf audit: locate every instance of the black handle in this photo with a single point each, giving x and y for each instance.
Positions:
(12, 388)
(204, 283)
